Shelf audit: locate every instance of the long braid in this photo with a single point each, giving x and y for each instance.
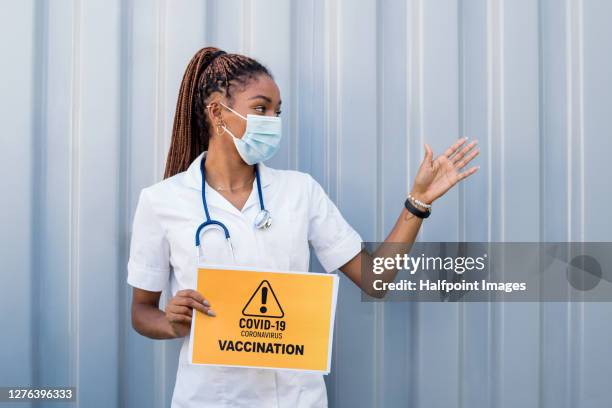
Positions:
(210, 70)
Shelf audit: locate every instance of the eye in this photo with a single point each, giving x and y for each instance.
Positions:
(260, 108)
(278, 112)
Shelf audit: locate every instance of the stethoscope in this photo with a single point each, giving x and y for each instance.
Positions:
(263, 220)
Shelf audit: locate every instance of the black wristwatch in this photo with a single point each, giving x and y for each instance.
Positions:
(418, 213)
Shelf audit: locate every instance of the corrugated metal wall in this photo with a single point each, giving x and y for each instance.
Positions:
(88, 95)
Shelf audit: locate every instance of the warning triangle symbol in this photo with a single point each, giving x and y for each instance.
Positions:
(263, 303)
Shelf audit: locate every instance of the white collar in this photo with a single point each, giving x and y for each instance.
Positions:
(193, 177)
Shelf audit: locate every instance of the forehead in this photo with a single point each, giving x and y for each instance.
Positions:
(260, 85)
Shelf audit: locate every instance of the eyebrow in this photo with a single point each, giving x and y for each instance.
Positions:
(264, 98)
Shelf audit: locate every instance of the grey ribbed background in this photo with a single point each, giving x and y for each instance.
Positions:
(88, 95)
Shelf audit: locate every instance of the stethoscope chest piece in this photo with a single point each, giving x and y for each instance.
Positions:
(263, 220)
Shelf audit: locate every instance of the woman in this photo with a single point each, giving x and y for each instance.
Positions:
(227, 123)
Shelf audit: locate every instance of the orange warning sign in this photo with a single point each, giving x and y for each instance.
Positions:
(259, 306)
(265, 319)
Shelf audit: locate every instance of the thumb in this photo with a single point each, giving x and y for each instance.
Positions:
(428, 155)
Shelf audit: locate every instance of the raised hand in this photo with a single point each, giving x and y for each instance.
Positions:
(436, 177)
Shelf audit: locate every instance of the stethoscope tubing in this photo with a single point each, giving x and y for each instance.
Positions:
(209, 221)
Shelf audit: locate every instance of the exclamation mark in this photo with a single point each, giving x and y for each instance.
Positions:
(264, 295)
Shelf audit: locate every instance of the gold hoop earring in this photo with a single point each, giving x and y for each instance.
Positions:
(219, 128)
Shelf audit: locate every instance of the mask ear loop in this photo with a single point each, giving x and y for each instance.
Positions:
(227, 107)
(234, 112)
(222, 126)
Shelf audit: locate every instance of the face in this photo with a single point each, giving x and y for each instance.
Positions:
(260, 96)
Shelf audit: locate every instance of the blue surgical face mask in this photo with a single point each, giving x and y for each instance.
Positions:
(261, 139)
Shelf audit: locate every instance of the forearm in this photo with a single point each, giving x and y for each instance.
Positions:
(404, 231)
(399, 241)
(150, 321)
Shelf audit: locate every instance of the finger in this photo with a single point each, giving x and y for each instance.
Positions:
(179, 310)
(187, 311)
(197, 296)
(428, 154)
(189, 302)
(469, 158)
(178, 318)
(435, 165)
(468, 173)
(454, 147)
(185, 292)
(460, 154)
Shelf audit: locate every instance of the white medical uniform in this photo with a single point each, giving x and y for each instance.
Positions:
(163, 252)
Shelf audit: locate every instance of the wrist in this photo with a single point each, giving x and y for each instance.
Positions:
(420, 198)
(417, 210)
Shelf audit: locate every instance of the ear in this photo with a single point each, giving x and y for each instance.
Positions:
(214, 112)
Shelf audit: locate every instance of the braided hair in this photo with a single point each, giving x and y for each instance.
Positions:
(210, 70)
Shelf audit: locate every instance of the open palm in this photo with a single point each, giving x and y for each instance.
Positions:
(436, 177)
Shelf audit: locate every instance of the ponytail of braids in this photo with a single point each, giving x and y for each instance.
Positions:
(210, 70)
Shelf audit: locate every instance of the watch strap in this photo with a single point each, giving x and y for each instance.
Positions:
(413, 210)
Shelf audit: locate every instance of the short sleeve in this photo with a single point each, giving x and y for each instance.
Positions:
(334, 241)
(149, 262)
